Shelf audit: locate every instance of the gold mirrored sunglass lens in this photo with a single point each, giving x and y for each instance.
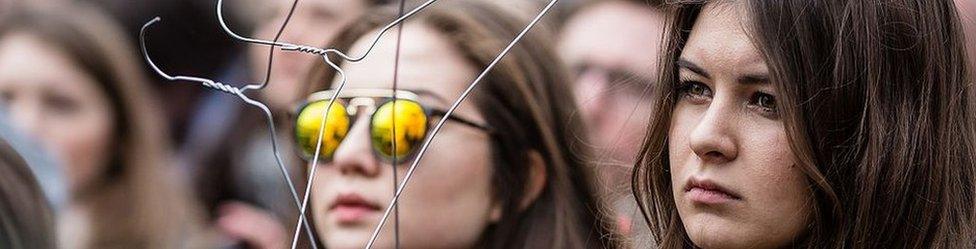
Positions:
(310, 120)
(411, 127)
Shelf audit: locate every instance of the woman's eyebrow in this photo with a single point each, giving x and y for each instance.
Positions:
(427, 93)
(753, 79)
(747, 79)
(682, 63)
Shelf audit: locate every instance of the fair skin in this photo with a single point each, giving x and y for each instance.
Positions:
(50, 97)
(733, 175)
(611, 77)
(314, 23)
(449, 200)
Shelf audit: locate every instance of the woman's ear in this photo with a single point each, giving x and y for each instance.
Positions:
(533, 187)
(537, 179)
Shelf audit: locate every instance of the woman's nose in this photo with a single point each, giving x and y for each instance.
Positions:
(712, 138)
(355, 154)
(28, 117)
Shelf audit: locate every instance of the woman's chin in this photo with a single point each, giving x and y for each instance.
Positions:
(347, 241)
(353, 237)
(712, 231)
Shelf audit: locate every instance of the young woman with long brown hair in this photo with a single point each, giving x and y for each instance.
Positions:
(812, 124)
(505, 172)
(68, 78)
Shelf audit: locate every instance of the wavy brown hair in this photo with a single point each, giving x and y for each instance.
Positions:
(879, 110)
(137, 202)
(526, 98)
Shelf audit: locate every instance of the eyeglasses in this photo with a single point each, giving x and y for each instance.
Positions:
(400, 118)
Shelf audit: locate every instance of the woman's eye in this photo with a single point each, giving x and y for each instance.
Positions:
(695, 91)
(62, 104)
(765, 102)
(6, 97)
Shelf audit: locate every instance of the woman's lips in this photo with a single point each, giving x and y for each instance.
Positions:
(352, 208)
(707, 192)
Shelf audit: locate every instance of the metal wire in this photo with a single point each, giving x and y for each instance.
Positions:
(240, 94)
(281, 30)
(318, 146)
(396, 70)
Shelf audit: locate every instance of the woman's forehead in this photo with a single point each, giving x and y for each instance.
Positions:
(721, 39)
(48, 67)
(427, 62)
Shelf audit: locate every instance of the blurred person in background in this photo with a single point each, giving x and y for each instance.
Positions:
(68, 77)
(26, 218)
(505, 171)
(614, 79)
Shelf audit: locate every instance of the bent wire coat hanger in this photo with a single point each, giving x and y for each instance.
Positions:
(240, 92)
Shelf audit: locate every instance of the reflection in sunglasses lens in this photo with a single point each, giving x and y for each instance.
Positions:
(310, 121)
(411, 127)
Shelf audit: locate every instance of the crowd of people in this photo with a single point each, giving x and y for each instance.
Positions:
(610, 124)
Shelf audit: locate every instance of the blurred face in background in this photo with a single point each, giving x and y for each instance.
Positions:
(314, 23)
(448, 203)
(49, 96)
(612, 47)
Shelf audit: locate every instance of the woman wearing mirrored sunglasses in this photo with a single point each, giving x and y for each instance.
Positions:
(506, 171)
(812, 124)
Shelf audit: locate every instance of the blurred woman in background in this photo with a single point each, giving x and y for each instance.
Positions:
(612, 85)
(68, 77)
(506, 171)
(812, 124)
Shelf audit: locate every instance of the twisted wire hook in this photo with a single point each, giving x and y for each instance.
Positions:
(239, 93)
(450, 111)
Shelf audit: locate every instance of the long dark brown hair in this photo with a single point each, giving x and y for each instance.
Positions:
(137, 201)
(879, 111)
(526, 98)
